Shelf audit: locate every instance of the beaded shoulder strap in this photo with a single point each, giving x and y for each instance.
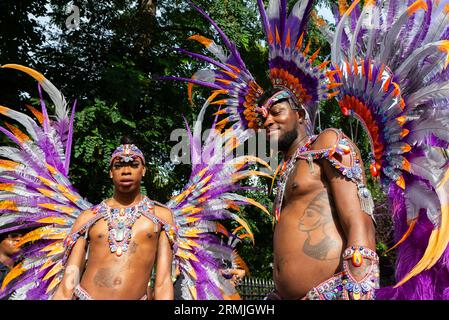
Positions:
(170, 229)
(353, 172)
(74, 235)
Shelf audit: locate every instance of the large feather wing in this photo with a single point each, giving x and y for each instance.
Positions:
(394, 80)
(36, 193)
(209, 197)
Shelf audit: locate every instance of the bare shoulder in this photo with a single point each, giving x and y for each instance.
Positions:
(163, 213)
(326, 140)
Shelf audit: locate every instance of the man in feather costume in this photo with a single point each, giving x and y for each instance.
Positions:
(8, 252)
(324, 239)
(324, 245)
(391, 59)
(389, 70)
(122, 237)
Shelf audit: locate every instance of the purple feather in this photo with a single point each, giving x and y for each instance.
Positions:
(20, 227)
(263, 17)
(204, 58)
(51, 154)
(282, 20)
(198, 82)
(225, 39)
(392, 10)
(420, 36)
(10, 135)
(298, 27)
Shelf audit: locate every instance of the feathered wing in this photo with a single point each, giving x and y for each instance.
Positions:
(395, 81)
(229, 78)
(36, 193)
(208, 198)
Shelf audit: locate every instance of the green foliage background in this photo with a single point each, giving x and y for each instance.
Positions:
(110, 65)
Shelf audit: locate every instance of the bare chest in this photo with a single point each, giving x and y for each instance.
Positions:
(305, 178)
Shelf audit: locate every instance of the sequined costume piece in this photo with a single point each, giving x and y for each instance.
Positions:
(79, 293)
(127, 153)
(343, 285)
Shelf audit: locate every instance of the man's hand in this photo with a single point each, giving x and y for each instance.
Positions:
(236, 275)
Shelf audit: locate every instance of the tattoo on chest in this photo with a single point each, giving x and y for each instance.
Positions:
(317, 215)
(105, 278)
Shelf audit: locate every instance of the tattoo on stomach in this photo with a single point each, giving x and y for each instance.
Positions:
(105, 278)
(315, 220)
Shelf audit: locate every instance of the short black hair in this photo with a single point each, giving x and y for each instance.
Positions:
(24, 230)
(126, 139)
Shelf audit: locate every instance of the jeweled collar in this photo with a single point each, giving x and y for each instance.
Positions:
(143, 205)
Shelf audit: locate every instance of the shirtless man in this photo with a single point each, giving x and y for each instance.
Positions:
(123, 237)
(324, 240)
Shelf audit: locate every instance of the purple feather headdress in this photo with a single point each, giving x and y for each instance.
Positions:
(291, 67)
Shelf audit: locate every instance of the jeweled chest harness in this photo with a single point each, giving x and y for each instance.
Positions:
(121, 221)
(354, 172)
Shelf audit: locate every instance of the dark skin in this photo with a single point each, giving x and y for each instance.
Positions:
(8, 247)
(321, 214)
(108, 276)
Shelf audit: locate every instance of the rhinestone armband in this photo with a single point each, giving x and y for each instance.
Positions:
(364, 288)
(356, 254)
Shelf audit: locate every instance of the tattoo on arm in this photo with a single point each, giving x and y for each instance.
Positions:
(316, 216)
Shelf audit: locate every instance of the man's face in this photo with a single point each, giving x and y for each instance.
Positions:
(9, 244)
(282, 124)
(127, 176)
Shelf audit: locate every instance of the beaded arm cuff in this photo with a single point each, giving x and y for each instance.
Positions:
(358, 253)
(365, 288)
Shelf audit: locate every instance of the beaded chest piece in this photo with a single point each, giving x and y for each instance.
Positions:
(354, 172)
(121, 221)
(120, 224)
